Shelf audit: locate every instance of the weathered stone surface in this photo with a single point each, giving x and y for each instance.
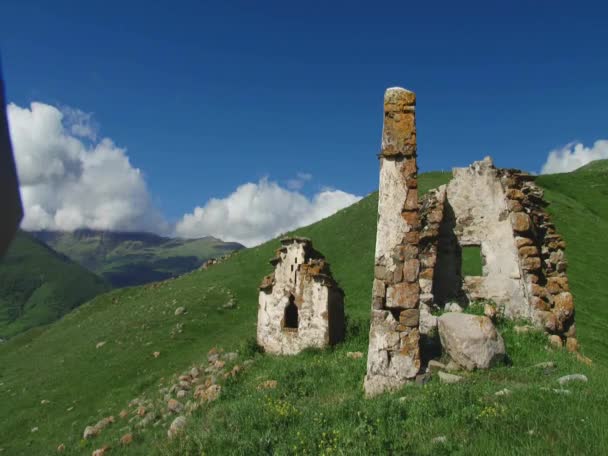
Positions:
(520, 221)
(572, 344)
(387, 367)
(557, 285)
(403, 295)
(572, 378)
(304, 307)
(444, 377)
(555, 341)
(410, 270)
(470, 340)
(563, 306)
(548, 320)
(409, 317)
(178, 425)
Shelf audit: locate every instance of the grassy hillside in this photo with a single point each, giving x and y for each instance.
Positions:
(126, 259)
(38, 286)
(318, 405)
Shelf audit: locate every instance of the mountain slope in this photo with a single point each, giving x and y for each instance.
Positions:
(39, 285)
(130, 258)
(318, 406)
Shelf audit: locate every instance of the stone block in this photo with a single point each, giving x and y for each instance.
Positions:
(409, 317)
(520, 222)
(403, 296)
(411, 269)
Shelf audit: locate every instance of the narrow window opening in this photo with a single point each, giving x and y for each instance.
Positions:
(290, 320)
(472, 261)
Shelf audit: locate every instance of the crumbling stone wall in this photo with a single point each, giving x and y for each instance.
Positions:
(541, 256)
(477, 200)
(394, 350)
(300, 304)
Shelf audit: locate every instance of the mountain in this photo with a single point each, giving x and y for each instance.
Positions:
(132, 258)
(39, 285)
(317, 405)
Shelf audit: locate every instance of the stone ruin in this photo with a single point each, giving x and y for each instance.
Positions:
(300, 304)
(419, 250)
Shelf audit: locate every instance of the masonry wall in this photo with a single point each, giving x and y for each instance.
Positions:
(301, 278)
(541, 256)
(477, 214)
(394, 349)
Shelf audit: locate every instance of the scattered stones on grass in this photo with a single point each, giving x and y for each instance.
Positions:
(471, 340)
(156, 354)
(126, 439)
(194, 372)
(354, 355)
(562, 391)
(177, 426)
(141, 410)
(101, 451)
(211, 393)
(446, 378)
(572, 378)
(61, 448)
(181, 394)
(230, 356)
(546, 365)
(90, 432)
(123, 413)
(268, 384)
(45, 402)
(555, 341)
(503, 392)
(180, 311)
(174, 406)
(100, 344)
(35, 429)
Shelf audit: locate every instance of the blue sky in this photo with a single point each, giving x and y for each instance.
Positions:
(207, 96)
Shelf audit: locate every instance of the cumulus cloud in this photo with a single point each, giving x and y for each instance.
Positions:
(573, 156)
(299, 181)
(67, 184)
(256, 212)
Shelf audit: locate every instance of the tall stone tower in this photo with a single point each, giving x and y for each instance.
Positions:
(394, 351)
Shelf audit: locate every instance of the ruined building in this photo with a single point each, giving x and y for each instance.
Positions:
(300, 304)
(494, 214)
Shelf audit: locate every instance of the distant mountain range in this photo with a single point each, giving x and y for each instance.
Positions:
(134, 258)
(39, 285)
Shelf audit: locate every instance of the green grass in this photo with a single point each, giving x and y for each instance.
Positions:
(318, 406)
(38, 286)
(128, 259)
(471, 260)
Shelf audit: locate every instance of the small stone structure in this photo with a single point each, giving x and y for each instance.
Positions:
(418, 258)
(300, 304)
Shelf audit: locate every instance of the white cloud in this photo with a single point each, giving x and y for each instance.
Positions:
(573, 156)
(66, 184)
(69, 179)
(254, 213)
(298, 182)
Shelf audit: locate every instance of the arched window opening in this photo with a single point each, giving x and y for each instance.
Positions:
(290, 320)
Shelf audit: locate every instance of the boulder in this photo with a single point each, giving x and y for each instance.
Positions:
(444, 377)
(471, 340)
(177, 426)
